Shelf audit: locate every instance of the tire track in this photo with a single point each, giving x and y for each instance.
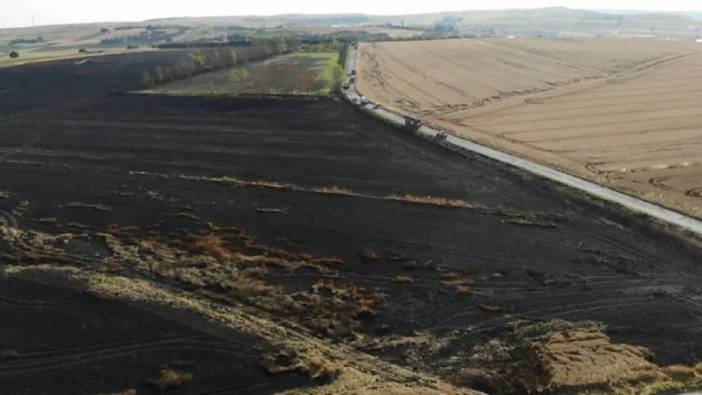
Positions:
(36, 304)
(97, 346)
(8, 220)
(549, 312)
(65, 361)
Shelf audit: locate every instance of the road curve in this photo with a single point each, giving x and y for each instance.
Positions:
(632, 203)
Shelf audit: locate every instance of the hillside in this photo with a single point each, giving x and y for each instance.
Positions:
(545, 22)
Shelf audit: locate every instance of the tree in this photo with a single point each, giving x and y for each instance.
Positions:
(147, 80)
(14, 54)
(158, 74)
(446, 26)
(339, 77)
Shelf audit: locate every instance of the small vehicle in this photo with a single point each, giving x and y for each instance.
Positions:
(364, 100)
(441, 136)
(412, 124)
(346, 86)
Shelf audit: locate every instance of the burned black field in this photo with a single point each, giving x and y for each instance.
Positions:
(35, 86)
(313, 218)
(73, 342)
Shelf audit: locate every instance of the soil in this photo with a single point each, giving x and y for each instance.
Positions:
(619, 112)
(56, 340)
(305, 226)
(37, 85)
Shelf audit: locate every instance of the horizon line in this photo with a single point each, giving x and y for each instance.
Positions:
(601, 10)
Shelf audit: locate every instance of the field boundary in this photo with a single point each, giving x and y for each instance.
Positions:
(593, 189)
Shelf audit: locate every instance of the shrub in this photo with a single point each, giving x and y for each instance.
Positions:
(147, 80)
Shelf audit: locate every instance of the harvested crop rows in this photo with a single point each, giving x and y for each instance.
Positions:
(623, 113)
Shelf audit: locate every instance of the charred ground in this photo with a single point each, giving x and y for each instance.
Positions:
(305, 211)
(37, 85)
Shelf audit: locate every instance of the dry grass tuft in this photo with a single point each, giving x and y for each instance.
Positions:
(489, 308)
(403, 280)
(184, 214)
(125, 392)
(335, 309)
(169, 376)
(431, 200)
(369, 256)
(530, 222)
(334, 191)
(316, 366)
(96, 207)
(563, 357)
(270, 184)
(460, 284)
(213, 245)
(7, 355)
(227, 266)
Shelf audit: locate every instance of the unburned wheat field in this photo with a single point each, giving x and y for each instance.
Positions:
(624, 113)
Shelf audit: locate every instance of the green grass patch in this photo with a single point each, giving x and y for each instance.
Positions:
(301, 73)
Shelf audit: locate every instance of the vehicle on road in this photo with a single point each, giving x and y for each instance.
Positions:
(412, 124)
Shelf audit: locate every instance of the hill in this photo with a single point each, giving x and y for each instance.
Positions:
(543, 22)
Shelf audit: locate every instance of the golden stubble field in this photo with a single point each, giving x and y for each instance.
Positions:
(625, 113)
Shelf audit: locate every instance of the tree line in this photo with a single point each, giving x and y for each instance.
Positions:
(212, 59)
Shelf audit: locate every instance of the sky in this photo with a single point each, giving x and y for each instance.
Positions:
(18, 13)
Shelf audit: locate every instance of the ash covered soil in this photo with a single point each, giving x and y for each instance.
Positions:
(35, 86)
(307, 215)
(65, 341)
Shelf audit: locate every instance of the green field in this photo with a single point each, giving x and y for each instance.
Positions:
(316, 73)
